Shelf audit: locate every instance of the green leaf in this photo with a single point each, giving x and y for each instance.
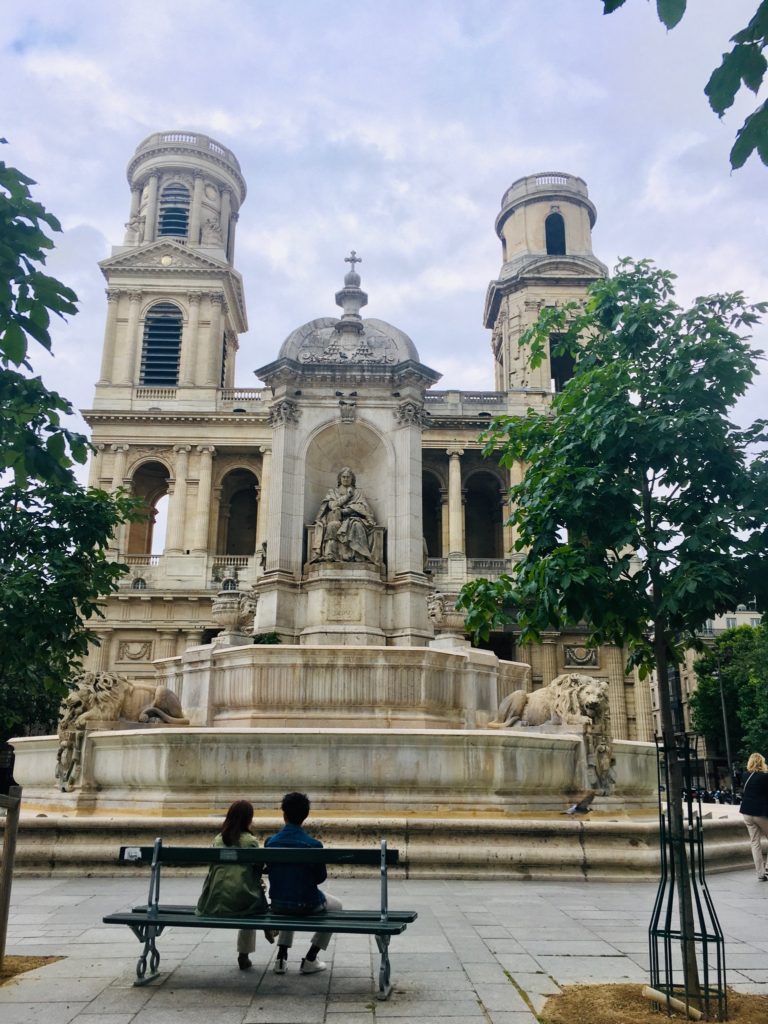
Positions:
(13, 344)
(753, 135)
(670, 11)
(609, 6)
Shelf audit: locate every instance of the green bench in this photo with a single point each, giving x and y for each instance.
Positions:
(148, 921)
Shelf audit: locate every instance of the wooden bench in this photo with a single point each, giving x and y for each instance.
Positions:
(148, 921)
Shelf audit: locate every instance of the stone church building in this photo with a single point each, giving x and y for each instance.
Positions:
(253, 478)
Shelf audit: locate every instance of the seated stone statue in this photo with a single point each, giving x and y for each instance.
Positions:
(344, 524)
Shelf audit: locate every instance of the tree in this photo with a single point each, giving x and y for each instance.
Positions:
(744, 64)
(53, 531)
(738, 659)
(642, 510)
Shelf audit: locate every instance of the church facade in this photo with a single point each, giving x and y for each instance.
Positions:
(341, 496)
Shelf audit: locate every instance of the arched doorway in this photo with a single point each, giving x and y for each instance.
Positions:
(484, 516)
(150, 484)
(238, 514)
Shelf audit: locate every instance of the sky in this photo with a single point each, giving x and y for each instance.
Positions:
(392, 127)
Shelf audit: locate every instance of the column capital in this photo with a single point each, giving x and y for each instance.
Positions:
(113, 294)
(197, 174)
(182, 449)
(119, 447)
(265, 449)
(217, 299)
(206, 449)
(193, 298)
(134, 296)
(454, 452)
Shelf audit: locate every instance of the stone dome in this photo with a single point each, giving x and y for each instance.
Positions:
(376, 343)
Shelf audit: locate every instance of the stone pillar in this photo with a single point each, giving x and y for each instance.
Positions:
(233, 227)
(193, 637)
(110, 330)
(103, 652)
(135, 202)
(263, 509)
(643, 708)
(617, 703)
(177, 507)
(97, 465)
(548, 657)
(118, 466)
(195, 214)
(190, 342)
(150, 224)
(225, 217)
(444, 534)
(455, 509)
(130, 342)
(166, 645)
(215, 336)
(202, 518)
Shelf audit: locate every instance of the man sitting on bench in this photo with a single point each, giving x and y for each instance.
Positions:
(293, 887)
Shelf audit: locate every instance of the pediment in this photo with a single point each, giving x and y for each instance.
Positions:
(163, 255)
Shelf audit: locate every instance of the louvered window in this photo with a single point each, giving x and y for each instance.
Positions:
(162, 346)
(173, 218)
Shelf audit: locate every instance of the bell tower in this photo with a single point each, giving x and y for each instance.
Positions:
(545, 228)
(175, 302)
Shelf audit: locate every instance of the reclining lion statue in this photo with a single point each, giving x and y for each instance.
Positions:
(570, 699)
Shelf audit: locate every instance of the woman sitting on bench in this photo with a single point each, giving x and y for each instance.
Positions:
(236, 890)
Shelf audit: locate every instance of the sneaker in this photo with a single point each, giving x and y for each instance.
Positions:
(312, 966)
(279, 967)
(243, 961)
(762, 878)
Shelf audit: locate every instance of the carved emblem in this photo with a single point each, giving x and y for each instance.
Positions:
(578, 656)
(284, 411)
(410, 412)
(134, 650)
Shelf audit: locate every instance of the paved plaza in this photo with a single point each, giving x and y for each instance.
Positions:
(480, 951)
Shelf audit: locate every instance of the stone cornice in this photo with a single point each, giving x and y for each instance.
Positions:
(289, 370)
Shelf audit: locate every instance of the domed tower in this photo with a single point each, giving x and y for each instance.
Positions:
(545, 227)
(175, 301)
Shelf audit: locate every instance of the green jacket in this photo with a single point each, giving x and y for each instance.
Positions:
(233, 890)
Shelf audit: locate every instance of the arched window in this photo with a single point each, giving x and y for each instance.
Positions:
(139, 584)
(432, 522)
(484, 516)
(173, 214)
(239, 507)
(554, 228)
(162, 346)
(150, 484)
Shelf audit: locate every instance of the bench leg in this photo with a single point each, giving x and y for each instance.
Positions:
(385, 987)
(147, 933)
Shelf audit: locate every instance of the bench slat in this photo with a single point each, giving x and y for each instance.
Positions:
(187, 910)
(189, 856)
(371, 925)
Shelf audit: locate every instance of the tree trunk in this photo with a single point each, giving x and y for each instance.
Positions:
(677, 823)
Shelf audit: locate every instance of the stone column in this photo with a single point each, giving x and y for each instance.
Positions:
(215, 338)
(225, 217)
(232, 228)
(444, 534)
(616, 700)
(193, 637)
(643, 708)
(130, 342)
(150, 225)
(103, 652)
(177, 506)
(263, 510)
(110, 330)
(190, 342)
(118, 466)
(135, 202)
(202, 519)
(548, 657)
(195, 214)
(166, 643)
(97, 463)
(455, 509)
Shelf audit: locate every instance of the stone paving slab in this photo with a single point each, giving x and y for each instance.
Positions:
(481, 952)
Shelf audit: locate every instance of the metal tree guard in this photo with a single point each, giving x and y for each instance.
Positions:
(666, 935)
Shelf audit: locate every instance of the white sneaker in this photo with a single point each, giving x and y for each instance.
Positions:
(280, 967)
(312, 966)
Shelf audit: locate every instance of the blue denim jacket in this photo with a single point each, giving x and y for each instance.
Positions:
(293, 887)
